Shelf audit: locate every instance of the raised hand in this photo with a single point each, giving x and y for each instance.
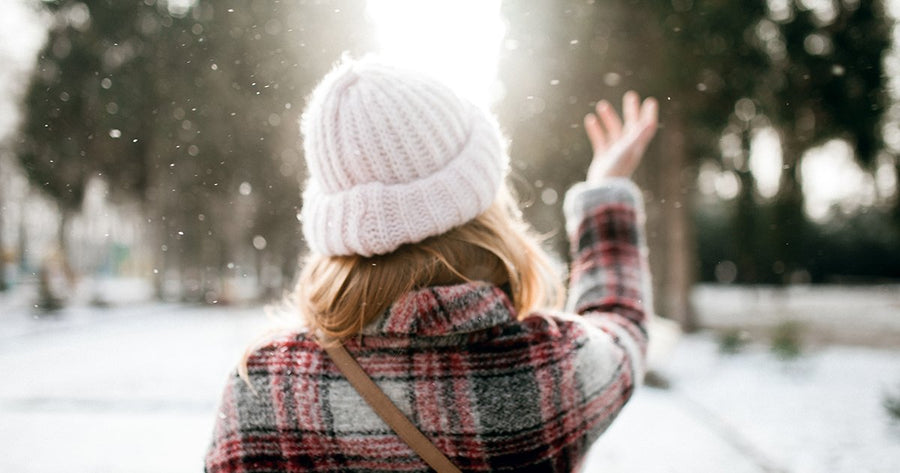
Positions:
(619, 148)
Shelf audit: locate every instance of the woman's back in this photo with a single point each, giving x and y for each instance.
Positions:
(491, 391)
(438, 308)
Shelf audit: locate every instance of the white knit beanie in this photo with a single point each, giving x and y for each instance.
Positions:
(394, 157)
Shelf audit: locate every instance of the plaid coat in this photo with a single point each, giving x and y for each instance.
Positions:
(493, 393)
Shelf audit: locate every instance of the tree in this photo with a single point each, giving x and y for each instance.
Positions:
(191, 112)
(825, 80)
(694, 57)
(85, 103)
(248, 68)
(720, 69)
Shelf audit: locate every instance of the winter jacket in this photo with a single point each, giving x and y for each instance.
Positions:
(493, 392)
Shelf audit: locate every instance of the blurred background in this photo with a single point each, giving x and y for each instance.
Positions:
(150, 167)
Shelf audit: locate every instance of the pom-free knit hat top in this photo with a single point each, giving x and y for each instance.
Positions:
(394, 157)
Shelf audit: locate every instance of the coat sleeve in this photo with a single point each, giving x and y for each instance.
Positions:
(609, 282)
(609, 289)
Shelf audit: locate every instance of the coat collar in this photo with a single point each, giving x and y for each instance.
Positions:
(445, 310)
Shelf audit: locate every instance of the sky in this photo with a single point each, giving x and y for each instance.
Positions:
(458, 41)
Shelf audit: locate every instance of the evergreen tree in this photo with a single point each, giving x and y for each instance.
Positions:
(716, 66)
(693, 56)
(825, 80)
(192, 112)
(83, 106)
(247, 67)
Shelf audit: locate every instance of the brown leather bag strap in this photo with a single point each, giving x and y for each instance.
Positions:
(386, 409)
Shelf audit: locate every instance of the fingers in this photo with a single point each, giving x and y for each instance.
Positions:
(645, 134)
(630, 107)
(619, 147)
(594, 132)
(649, 111)
(646, 126)
(610, 120)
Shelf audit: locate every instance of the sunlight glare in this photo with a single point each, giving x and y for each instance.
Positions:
(885, 178)
(831, 177)
(766, 161)
(458, 41)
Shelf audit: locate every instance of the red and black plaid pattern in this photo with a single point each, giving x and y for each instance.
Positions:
(492, 392)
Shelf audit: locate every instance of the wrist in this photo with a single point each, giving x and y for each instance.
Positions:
(583, 197)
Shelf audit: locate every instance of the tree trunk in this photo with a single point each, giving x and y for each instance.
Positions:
(745, 224)
(670, 235)
(3, 254)
(896, 212)
(790, 225)
(65, 217)
(157, 232)
(24, 263)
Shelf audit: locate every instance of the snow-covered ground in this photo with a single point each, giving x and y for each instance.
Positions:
(859, 315)
(754, 412)
(134, 387)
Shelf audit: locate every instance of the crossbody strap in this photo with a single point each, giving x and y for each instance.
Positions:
(386, 409)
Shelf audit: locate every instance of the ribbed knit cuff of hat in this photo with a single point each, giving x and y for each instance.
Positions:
(376, 218)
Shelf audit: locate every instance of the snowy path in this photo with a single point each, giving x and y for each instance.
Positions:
(134, 389)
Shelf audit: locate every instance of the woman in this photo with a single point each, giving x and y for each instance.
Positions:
(422, 268)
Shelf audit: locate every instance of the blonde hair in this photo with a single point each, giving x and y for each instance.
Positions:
(336, 296)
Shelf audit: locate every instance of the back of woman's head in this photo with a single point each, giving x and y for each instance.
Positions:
(405, 190)
(339, 295)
